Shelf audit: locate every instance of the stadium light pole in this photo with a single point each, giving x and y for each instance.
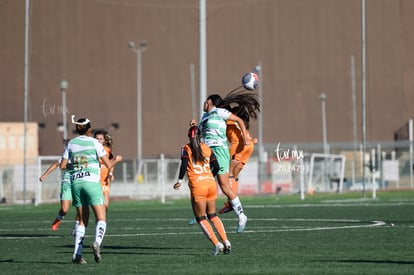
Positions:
(258, 69)
(64, 84)
(363, 90)
(26, 92)
(202, 53)
(322, 97)
(139, 50)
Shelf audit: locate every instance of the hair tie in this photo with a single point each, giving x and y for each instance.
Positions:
(192, 132)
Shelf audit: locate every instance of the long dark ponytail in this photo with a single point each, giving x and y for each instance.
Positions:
(195, 144)
(242, 103)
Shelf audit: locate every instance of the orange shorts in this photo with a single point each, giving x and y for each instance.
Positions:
(236, 147)
(104, 179)
(242, 155)
(105, 187)
(203, 191)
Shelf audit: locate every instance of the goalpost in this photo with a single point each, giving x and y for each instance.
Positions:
(325, 170)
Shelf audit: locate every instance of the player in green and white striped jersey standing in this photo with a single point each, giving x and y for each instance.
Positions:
(84, 152)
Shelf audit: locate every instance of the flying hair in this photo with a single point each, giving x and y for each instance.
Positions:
(242, 103)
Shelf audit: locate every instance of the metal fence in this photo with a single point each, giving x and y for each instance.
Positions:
(286, 169)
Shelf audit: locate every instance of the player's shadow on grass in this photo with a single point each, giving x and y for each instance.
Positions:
(118, 249)
(7, 261)
(377, 262)
(14, 261)
(28, 236)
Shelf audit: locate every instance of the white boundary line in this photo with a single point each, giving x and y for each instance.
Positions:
(395, 203)
(257, 230)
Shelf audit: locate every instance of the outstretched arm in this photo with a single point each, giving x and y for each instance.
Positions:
(183, 169)
(114, 161)
(242, 126)
(107, 162)
(63, 164)
(49, 170)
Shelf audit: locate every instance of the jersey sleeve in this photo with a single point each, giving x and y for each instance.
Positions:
(65, 153)
(223, 113)
(100, 150)
(184, 163)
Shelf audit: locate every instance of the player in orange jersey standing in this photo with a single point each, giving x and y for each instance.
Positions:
(201, 165)
(106, 174)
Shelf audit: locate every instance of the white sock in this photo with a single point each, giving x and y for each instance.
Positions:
(74, 228)
(79, 237)
(237, 206)
(100, 231)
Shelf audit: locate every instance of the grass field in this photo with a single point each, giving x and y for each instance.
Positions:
(324, 234)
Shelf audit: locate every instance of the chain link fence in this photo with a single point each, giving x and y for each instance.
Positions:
(288, 169)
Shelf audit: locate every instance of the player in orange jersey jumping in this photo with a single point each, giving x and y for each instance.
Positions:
(239, 152)
(196, 159)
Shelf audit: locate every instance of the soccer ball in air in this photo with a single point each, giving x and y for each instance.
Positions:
(250, 81)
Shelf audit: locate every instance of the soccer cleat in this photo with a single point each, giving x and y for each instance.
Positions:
(227, 208)
(79, 260)
(192, 221)
(96, 252)
(56, 224)
(227, 247)
(242, 223)
(217, 249)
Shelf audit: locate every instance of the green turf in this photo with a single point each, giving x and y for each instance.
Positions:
(324, 234)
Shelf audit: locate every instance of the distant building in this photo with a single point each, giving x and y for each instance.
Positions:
(12, 143)
(304, 48)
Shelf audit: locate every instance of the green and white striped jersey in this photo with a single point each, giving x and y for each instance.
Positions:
(213, 127)
(84, 152)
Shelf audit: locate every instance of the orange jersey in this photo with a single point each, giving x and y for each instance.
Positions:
(235, 137)
(105, 171)
(238, 150)
(201, 180)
